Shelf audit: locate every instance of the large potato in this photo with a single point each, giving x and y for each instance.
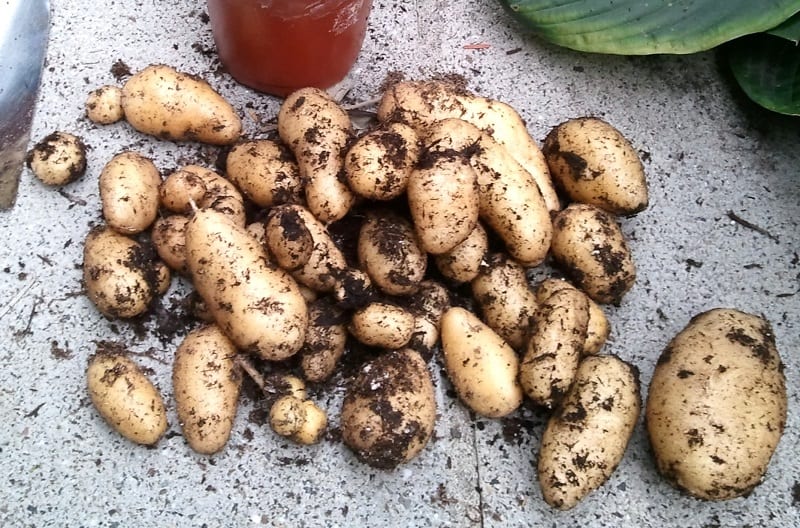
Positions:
(129, 192)
(125, 397)
(717, 404)
(586, 438)
(389, 410)
(206, 381)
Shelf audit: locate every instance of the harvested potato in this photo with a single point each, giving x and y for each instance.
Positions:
(427, 306)
(287, 238)
(206, 381)
(58, 159)
(129, 185)
(258, 306)
(173, 105)
(382, 325)
(389, 251)
(326, 338)
(118, 273)
(380, 162)
(169, 239)
(593, 163)
(104, 105)
(193, 186)
(482, 367)
(124, 396)
(598, 328)
(317, 131)
(589, 245)
(163, 276)
(389, 410)
(462, 263)
(265, 172)
(717, 404)
(586, 438)
(302, 421)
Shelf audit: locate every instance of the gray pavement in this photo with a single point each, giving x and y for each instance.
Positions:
(707, 152)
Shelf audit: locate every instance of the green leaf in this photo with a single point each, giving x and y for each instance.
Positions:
(790, 29)
(641, 27)
(767, 67)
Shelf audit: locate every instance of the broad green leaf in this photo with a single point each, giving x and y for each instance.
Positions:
(642, 27)
(767, 68)
(790, 29)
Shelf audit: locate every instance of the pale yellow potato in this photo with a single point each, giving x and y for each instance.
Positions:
(287, 238)
(104, 105)
(391, 254)
(383, 325)
(193, 186)
(169, 239)
(302, 421)
(599, 327)
(265, 172)
(129, 192)
(462, 263)
(206, 381)
(58, 159)
(124, 396)
(717, 404)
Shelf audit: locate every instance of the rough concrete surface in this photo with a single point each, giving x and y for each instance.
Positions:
(711, 158)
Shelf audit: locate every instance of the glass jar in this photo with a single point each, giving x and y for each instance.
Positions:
(278, 46)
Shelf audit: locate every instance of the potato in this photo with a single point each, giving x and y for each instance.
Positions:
(193, 186)
(422, 103)
(389, 251)
(169, 239)
(173, 105)
(481, 366)
(380, 162)
(382, 325)
(124, 396)
(462, 263)
(129, 192)
(586, 438)
(265, 172)
(598, 328)
(104, 105)
(505, 299)
(555, 346)
(287, 238)
(58, 159)
(317, 131)
(326, 338)
(389, 410)
(589, 245)
(118, 273)
(717, 404)
(300, 420)
(163, 276)
(258, 306)
(427, 306)
(206, 381)
(593, 163)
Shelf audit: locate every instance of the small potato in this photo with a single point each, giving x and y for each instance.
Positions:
(129, 186)
(505, 298)
(598, 328)
(124, 396)
(326, 338)
(287, 238)
(427, 306)
(586, 438)
(593, 163)
(482, 367)
(118, 273)
(265, 172)
(173, 105)
(302, 421)
(382, 325)
(169, 239)
(717, 404)
(58, 159)
(389, 410)
(389, 251)
(163, 276)
(206, 381)
(380, 162)
(193, 187)
(591, 248)
(462, 263)
(104, 105)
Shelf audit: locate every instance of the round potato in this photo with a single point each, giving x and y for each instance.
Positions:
(193, 186)
(265, 171)
(462, 263)
(58, 159)
(104, 105)
(716, 406)
(129, 186)
(389, 251)
(169, 239)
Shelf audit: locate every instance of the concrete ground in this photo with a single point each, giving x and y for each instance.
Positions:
(717, 166)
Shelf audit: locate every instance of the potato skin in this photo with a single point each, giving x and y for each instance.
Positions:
(104, 105)
(717, 404)
(129, 185)
(125, 398)
(382, 325)
(389, 410)
(389, 251)
(586, 438)
(265, 171)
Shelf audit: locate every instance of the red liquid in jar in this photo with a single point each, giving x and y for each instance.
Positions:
(278, 46)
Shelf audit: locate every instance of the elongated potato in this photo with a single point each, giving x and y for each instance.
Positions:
(129, 185)
(585, 440)
(258, 306)
(206, 381)
(169, 104)
(382, 325)
(169, 239)
(326, 338)
(482, 367)
(124, 396)
(317, 131)
(598, 328)
(717, 404)
(265, 172)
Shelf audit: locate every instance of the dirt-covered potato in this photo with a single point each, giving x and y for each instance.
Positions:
(389, 251)
(124, 396)
(104, 105)
(265, 172)
(326, 338)
(58, 159)
(381, 324)
(462, 263)
(481, 366)
(589, 245)
(169, 240)
(389, 410)
(593, 163)
(118, 273)
(287, 238)
(427, 306)
(129, 187)
(206, 381)
(173, 105)
(717, 404)
(586, 438)
(598, 328)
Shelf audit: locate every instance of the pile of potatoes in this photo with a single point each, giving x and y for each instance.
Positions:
(447, 192)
